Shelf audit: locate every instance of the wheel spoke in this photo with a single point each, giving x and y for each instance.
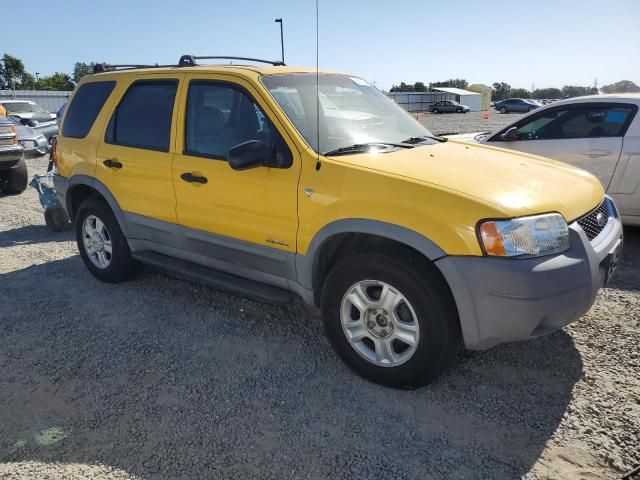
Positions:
(107, 246)
(389, 298)
(88, 228)
(357, 331)
(359, 299)
(384, 352)
(102, 260)
(99, 225)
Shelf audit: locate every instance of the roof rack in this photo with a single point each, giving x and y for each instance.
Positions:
(190, 60)
(106, 67)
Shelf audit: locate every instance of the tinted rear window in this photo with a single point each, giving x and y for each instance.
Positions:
(143, 117)
(86, 104)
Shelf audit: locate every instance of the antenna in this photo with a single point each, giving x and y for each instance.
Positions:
(317, 85)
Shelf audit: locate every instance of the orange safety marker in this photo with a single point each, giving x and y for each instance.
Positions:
(485, 115)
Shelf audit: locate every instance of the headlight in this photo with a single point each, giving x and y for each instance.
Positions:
(533, 236)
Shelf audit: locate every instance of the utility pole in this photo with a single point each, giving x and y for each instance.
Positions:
(279, 20)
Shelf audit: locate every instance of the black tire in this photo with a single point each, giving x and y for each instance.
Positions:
(421, 284)
(435, 111)
(503, 110)
(458, 110)
(56, 219)
(531, 108)
(121, 264)
(15, 180)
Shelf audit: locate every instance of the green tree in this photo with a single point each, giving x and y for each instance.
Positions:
(501, 90)
(27, 82)
(57, 81)
(452, 83)
(12, 71)
(623, 86)
(547, 93)
(520, 93)
(419, 87)
(577, 91)
(81, 69)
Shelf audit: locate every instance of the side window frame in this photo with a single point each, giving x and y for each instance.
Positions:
(233, 86)
(63, 133)
(574, 106)
(108, 134)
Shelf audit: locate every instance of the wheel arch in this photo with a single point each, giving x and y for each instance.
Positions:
(81, 187)
(340, 236)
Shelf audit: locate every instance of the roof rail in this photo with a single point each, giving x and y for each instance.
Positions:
(190, 60)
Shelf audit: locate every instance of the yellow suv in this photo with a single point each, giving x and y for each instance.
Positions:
(272, 181)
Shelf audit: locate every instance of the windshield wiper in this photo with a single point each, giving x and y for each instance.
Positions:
(363, 147)
(414, 140)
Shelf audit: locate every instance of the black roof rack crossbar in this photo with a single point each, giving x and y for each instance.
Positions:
(190, 60)
(107, 67)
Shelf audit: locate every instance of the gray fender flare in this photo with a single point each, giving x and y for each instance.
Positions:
(100, 187)
(306, 264)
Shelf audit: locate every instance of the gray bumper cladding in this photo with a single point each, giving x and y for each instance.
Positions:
(502, 300)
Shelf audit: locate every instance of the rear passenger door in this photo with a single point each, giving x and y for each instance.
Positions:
(134, 160)
(243, 218)
(588, 136)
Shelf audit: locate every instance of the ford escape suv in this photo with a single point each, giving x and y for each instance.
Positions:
(272, 181)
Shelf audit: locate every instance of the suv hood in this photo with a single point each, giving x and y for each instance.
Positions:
(513, 183)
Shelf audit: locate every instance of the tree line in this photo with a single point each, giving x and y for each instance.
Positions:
(502, 90)
(14, 76)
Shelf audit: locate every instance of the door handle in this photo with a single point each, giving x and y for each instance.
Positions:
(112, 163)
(191, 178)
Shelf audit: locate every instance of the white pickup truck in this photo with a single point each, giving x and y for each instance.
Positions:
(599, 133)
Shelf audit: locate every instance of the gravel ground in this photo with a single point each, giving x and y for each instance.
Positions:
(159, 378)
(471, 122)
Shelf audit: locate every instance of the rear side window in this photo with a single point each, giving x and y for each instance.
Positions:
(86, 104)
(143, 117)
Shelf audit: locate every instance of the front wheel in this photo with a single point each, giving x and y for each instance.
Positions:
(458, 110)
(103, 247)
(436, 111)
(391, 319)
(15, 180)
(503, 110)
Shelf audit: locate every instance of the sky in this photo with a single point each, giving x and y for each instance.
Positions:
(542, 43)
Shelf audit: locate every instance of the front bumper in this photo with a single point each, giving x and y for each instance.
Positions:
(10, 156)
(501, 300)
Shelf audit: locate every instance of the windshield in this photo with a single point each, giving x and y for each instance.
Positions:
(22, 107)
(351, 111)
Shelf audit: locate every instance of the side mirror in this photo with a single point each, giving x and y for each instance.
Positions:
(510, 135)
(251, 154)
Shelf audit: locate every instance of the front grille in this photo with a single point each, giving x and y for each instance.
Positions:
(590, 224)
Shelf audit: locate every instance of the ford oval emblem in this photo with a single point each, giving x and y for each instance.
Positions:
(601, 219)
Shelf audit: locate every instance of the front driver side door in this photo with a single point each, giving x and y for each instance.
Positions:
(234, 218)
(588, 136)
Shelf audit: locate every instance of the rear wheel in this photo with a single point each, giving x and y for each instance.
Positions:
(390, 320)
(103, 247)
(14, 181)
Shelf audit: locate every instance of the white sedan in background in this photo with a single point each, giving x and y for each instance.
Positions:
(599, 133)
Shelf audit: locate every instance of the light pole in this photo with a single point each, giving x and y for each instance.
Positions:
(279, 20)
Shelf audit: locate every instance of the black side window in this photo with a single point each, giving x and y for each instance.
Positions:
(221, 116)
(581, 122)
(143, 117)
(85, 107)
